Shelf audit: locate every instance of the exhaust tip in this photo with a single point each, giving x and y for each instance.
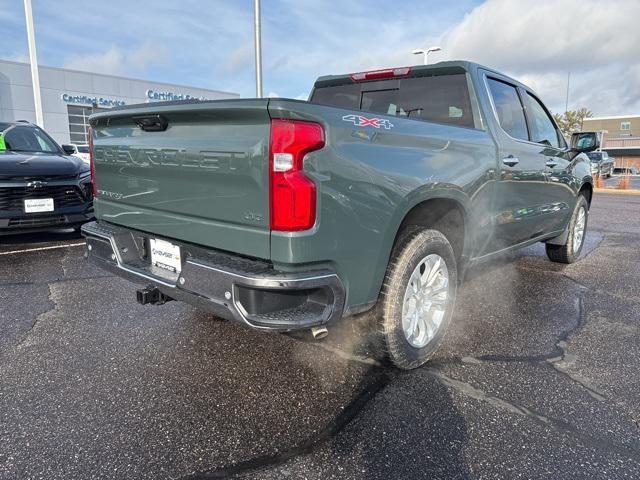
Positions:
(319, 332)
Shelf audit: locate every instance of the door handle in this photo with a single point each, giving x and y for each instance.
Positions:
(551, 163)
(510, 160)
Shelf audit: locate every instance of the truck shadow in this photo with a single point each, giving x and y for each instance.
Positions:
(411, 429)
(397, 425)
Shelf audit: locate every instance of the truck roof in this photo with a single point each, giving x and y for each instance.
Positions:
(8, 123)
(452, 66)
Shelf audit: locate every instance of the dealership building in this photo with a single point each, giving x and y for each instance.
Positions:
(70, 96)
(621, 137)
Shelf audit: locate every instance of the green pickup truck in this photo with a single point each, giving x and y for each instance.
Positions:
(378, 192)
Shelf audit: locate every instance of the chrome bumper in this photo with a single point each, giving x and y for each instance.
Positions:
(233, 287)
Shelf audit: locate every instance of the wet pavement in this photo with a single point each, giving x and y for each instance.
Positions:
(537, 378)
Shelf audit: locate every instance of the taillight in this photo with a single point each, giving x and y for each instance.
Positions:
(92, 163)
(293, 194)
(380, 74)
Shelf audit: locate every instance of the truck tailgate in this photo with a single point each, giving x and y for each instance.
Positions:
(204, 179)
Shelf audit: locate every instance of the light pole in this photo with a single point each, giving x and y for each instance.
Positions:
(33, 60)
(566, 103)
(258, 47)
(426, 52)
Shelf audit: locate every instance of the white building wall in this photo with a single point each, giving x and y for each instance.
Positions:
(16, 93)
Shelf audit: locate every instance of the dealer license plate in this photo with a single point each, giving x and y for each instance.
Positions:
(38, 205)
(165, 255)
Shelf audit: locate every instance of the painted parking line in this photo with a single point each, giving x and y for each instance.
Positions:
(54, 247)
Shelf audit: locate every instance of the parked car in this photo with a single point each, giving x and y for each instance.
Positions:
(42, 186)
(625, 170)
(377, 193)
(601, 163)
(80, 151)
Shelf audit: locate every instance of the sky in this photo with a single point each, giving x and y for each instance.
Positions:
(209, 43)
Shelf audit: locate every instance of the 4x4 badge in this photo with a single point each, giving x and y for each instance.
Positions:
(360, 121)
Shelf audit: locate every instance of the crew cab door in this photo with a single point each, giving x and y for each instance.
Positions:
(521, 206)
(559, 194)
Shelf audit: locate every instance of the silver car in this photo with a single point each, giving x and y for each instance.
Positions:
(601, 164)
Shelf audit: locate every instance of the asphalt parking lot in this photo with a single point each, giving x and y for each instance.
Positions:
(537, 379)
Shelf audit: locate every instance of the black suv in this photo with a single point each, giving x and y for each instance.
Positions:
(42, 186)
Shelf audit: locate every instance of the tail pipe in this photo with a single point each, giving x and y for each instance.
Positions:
(319, 332)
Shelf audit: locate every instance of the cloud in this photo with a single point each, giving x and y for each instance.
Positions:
(240, 58)
(209, 43)
(119, 61)
(305, 39)
(540, 42)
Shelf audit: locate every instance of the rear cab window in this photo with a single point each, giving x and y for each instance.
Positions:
(434, 98)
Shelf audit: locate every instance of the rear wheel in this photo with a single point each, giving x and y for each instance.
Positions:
(570, 251)
(418, 297)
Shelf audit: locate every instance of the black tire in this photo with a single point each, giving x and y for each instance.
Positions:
(413, 247)
(566, 253)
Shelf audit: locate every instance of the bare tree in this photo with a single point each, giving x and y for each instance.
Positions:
(571, 121)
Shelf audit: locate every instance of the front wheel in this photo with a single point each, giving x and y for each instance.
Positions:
(418, 297)
(570, 251)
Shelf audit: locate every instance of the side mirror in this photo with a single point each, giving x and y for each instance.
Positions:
(69, 149)
(585, 141)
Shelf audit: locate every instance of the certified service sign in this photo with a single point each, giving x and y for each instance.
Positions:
(87, 100)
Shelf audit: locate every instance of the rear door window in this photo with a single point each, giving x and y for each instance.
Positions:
(439, 98)
(509, 109)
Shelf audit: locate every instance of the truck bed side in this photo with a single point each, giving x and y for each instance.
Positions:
(368, 179)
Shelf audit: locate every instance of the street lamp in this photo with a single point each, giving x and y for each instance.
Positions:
(257, 34)
(33, 61)
(426, 52)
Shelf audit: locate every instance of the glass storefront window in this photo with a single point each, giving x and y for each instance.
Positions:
(79, 122)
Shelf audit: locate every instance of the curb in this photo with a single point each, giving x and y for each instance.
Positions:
(617, 191)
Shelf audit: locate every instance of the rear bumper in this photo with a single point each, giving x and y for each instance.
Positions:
(231, 286)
